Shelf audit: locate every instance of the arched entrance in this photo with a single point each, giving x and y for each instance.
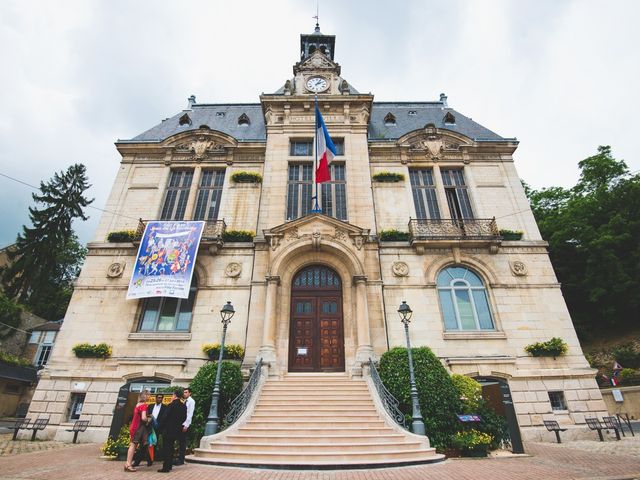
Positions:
(316, 336)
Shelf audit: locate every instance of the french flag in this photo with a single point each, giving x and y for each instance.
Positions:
(325, 148)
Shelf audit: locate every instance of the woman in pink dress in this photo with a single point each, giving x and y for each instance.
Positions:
(138, 429)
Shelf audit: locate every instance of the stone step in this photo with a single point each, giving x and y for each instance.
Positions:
(292, 457)
(306, 423)
(317, 396)
(317, 409)
(312, 403)
(324, 431)
(314, 449)
(301, 416)
(320, 438)
(314, 389)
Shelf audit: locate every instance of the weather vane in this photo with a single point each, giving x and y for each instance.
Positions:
(317, 15)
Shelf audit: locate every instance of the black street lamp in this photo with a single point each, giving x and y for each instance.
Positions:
(417, 425)
(211, 426)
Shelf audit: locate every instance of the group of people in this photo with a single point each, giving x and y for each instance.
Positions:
(172, 421)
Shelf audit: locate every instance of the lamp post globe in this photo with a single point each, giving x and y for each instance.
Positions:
(211, 427)
(417, 425)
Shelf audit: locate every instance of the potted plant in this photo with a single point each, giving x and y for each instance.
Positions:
(507, 234)
(554, 347)
(231, 352)
(117, 448)
(472, 443)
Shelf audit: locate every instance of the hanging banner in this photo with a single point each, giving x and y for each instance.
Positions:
(165, 260)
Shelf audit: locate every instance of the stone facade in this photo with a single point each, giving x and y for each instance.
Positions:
(524, 297)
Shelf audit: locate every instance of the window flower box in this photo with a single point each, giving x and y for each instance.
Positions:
(85, 350)
(393, 235)
(511, 234)
(238, 236)
(551, 348)
(246, 177)
(231, 352)
(388, 177)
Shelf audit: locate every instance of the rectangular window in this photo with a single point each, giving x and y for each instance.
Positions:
(299, 190)
(175, 201)
(35, 337)
(557, 401)
(42, 355)
(75, 406)
(304, 148)
(209, 195)
(456, 192)
(334, 193)
(167, 314)
(424, 193)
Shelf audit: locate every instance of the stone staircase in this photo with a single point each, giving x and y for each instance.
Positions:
(316, 421)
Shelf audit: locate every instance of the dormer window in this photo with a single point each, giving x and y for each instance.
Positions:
(412, 113)
(243, 120)
(390, 120)
(449, 119)
(184, 120)
(220, 114)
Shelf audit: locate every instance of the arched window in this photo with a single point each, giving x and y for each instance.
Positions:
(167, 314)
(389, 119)
(463, 300)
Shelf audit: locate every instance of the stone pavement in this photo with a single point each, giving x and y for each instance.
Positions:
(9, 447)
(547, 461)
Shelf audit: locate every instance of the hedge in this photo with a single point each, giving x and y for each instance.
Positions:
(389, 177)
(238, 236)
(439, 398)
(85, 350)
(246, 177)
(201, 389)
(393, 235)
(122, 236)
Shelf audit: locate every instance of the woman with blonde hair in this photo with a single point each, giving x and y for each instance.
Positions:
(138, 429)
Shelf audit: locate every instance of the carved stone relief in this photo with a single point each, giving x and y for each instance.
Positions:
(518, 268)
(233, 270)
(400, 269)
(115, 270)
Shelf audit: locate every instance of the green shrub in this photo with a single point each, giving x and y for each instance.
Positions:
(393, 235)
(238, 236)
(390, 177)
(122, 236)
(13, 360)
(469, 392)
(438, 396)
(246, 177)
(201, 389)
(627, 356)
(86, 350)
(231, 352)
(551, 348)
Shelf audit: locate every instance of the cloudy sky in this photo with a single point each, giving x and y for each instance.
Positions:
(561, 76)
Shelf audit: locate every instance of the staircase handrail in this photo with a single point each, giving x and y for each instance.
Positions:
(239, 404)
(388, 400)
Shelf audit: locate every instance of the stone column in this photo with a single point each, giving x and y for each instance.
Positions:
(189, 210)
(364, 350)
(268, 349)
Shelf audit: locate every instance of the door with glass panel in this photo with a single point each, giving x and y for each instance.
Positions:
(316, 337)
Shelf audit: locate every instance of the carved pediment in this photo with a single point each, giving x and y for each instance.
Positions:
(435, 144)
(317, 228)
(201, 147)
(317, 62)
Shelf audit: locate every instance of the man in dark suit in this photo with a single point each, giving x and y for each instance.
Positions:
(171, 428)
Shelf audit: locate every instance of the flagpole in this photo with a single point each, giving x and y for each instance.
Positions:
(316, 207)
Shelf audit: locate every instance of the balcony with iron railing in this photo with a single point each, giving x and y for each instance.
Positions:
(471, 231)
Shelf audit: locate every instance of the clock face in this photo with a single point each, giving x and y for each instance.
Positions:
(317, 84)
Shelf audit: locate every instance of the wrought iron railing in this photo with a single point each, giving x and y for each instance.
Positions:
(389, 401)
(239, 404)
(213, 229)
(464, 228)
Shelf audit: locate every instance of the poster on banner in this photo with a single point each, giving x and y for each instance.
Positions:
(164, 265)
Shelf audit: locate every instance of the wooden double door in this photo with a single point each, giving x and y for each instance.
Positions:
(316, 337)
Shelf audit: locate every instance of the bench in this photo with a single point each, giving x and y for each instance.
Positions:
(79, 426)
(39, 424)
(612, 423)
(553, 426)
(22, 424)
(594, 424)
(625, 420)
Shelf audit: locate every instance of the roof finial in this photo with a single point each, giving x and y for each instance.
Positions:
(317, 17)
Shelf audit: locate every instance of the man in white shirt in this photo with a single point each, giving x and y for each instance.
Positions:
(191, 405)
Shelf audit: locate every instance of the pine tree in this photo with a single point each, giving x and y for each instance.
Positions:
(47, 255)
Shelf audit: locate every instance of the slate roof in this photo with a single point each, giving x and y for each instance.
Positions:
(224, 118)
(423, 113)
(220, 117)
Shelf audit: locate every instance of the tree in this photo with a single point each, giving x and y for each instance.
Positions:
(47, 256)
(593, 230)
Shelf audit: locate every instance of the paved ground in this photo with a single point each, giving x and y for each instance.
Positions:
(9, 447)
(547, 461)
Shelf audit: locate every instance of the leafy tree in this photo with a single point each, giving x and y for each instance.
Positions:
(593, 230)
(9, 315)
(47, 256)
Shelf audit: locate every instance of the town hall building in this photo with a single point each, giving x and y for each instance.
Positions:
(418, 197)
